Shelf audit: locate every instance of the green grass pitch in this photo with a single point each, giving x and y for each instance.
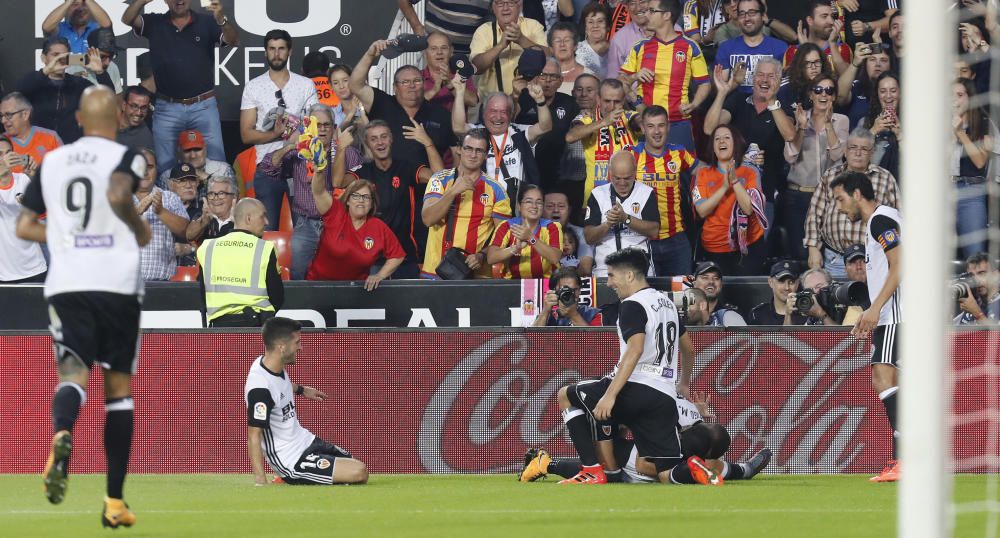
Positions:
(472, 506)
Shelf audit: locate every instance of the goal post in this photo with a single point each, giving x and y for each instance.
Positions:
(928, 230)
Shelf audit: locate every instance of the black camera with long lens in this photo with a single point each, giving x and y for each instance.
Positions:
(566, 296)
(834, 299)
(963, 286)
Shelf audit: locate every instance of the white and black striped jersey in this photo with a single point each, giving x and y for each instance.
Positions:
(652, 313)
(881, 236)
(270, 403)
(640, 203)
(91, 248)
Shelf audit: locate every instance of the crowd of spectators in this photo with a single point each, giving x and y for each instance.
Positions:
(704, 131)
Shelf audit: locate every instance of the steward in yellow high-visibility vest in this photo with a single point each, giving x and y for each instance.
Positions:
(239, 272)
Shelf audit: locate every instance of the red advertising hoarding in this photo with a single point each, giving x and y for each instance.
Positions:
(475, 400)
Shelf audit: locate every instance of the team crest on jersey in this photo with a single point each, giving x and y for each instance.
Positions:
(680, 56)
(560, 112)
(369, 243)
(636, 207)
(260, 411)
(586, 214)
(395, 182)
(606, 429)
(673, 167)
(323, 463)
(484, 198)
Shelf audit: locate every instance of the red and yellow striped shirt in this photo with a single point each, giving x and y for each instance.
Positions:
(473, 219)
(529, 263)
(675, 64)
(663, 173)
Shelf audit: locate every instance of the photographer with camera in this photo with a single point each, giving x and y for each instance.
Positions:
(815, 300)
(562, 303)
(694, 308)
(978, 292)
(780, 310)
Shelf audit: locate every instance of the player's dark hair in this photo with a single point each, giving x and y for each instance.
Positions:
(654, 111)
(718, 441)
(631, 258)
(978, 258)
(136, 90)
(315, 64)
(760, 5)
(479, 133)
(854, 181)
(813, 4)
(54, 40)
(278, 34)
(670, 6)
(707, 441)
(564, 272)
(278, 330)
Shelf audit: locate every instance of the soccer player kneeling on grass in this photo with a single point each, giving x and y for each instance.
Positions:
(701, 436)
(641, 392)
(298, 456)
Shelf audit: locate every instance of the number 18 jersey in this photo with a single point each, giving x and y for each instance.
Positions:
(652, 313)
(91, 248)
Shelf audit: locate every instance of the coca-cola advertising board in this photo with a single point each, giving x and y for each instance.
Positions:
(411, 401)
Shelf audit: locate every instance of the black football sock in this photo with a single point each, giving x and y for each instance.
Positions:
(117, 442)
(564, 467)
(581, 435)
(733, 471)
(888, 397)
(66, 404)
(681, 474)
(613, 476)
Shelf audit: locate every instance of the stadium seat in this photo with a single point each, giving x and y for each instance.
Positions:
(245, 166)
(285, 220)
(283, 248)
(185, 273)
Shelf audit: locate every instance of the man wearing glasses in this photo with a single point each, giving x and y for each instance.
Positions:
(462, 208)
(500, 42)
(753, 45)
(30, 142)
(829, 232)
(132, 128)
(216, 219)
(167, 217)
(401, 110)
(664, 68)
(627, 36)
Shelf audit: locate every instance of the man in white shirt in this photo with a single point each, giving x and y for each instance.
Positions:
(269, 102)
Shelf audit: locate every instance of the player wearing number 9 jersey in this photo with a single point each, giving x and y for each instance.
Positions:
(641, 392)
(93, 286)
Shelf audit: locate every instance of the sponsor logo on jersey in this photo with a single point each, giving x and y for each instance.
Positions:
(93, 241)
(260, 411)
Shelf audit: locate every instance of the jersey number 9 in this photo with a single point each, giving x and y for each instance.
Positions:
(79, 201)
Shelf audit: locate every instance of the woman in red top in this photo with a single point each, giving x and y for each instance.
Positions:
(727, 195)
(353, 239)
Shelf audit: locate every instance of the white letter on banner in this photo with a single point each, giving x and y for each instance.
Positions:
(464, 317)
(323, 16)
(221, 67)
(421, 317)
(346, 315)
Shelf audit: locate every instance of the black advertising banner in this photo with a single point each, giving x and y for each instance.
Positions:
(341, 28)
